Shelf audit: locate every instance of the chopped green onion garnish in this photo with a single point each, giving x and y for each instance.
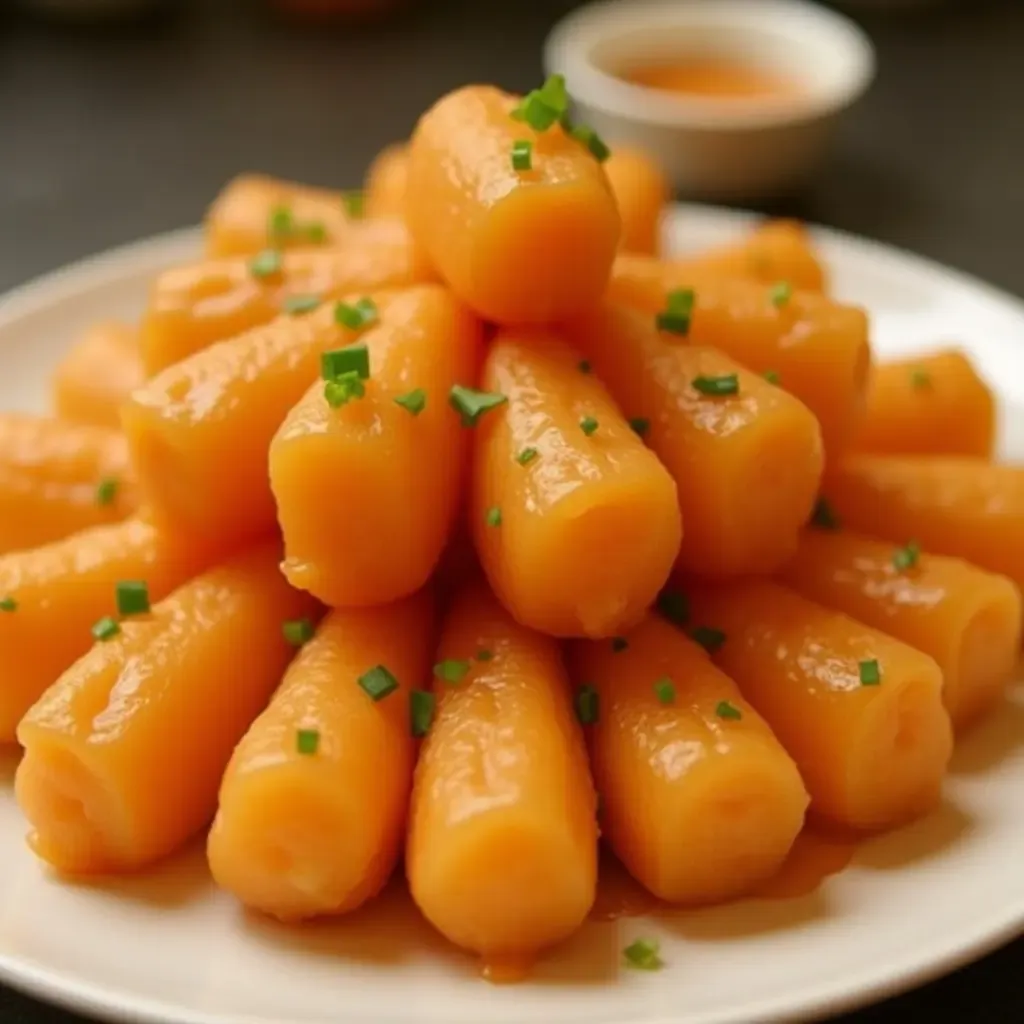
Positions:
(584, 366)
(619, 644)
(772, 376)
(414, 401)
(542, 107)
(920, 380)
(780, 294)
(354, 203)
(526, 456)
(314, 232)
(280, 224)
(8, 604)
(674, 606)
(106, 628)
(377, 682)
(588, 425)
(493, 516)
(870, 673)
(727, 384)
(640, 425)
(307, 741)
(675, 318)
(298, 631)
(296, 305)
(356, 316)
(824, 516)
(586, 704)
(664, 690)
(132, 597)
(484, 655)
(106, 491)
(421, 711)
(265, 264)
(342, 389)
(451, 670)
(350, 359)
(522, 155)
(589, 138)
(726, 710)
(906, 557)
(708, 637)
(644, 955)
(471, 404)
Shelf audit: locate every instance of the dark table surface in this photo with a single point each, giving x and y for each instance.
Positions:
(108, 138)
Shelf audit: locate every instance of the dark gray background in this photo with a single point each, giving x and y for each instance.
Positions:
(107, 138)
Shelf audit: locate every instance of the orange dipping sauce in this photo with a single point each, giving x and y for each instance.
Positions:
(712, 78)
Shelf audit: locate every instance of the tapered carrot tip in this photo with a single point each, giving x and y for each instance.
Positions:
(642, 192)
(530, 245)
(387, 182)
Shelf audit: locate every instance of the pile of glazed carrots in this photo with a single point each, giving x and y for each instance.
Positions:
(450, 520)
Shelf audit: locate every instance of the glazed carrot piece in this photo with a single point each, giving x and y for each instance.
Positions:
(312, 809)
(747, 462)
(502, 848)
(386, 182)
(699, 828)
(199, 431)
(519, 246)
(818, 349)
(58, 477)
(53, 595)
(931, 405)
(776, 251)
(951, 505)
(97, 375)
(193, 306)
(124, 753)
(641, 192)
(967, 619)
(859, 712)
(576, 522)
(404, 463)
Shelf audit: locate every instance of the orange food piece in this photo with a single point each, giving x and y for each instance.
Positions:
(301, 834)
(193, 306)
(97, 375)
(518, 246)
(61, 589)
(931, 405)
(387, 182)
(50, 476)
(502, 847)
(590, 523)
(818, 348)
(951, 505)
(699, 807)
(124, 753)
(641, 191)
(403, 473)
(747, 466)
(775, 251)
(871, 755)
(967, 619)
(199, 431)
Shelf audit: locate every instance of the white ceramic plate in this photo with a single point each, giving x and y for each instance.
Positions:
(168, 948)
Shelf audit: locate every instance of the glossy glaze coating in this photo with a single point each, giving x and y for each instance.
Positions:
(590, 525)
(871, 756)
(367, 494)
(49, 473)
(700, 808)
(502, 848)
(747, 466)
(969, 508)
(299, 835)
(518, 246)
(932, 405)
(818, 348)
(967, 619)
(192, 306)
(124, 753)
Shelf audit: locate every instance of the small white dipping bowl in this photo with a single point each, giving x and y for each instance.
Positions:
(735, 148)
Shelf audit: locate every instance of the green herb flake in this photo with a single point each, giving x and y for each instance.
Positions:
(728, 711)
(522, 155)
(298, 631)
(708, 637)
(280, 224)
(780, 294)
(421, 711)
(414, 402)
(674, 606)
(678, 312)
(132, 597)
(584, 366)
(106, 490)
(619, 644)
(265, 264)
(772, 376)
(343, 389)
(298, 305)
(907, 556)
(643, 955)
(451, 670)
(356, 316)
(870, 673)
(493, 516)
(341, 361)
(541, 108)
(471, 404)
(664, 690)
(920, 379)
(106, 629)
(8, 604)
(377, 683)
(640, 425)
(592, 141)
(585, 702)
(354, 202)
(824, 516)
(484, 655)
(307, 741)
(526, 456)
(588, 425)
(718, 387)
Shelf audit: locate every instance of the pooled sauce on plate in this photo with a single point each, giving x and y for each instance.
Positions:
(711, 78)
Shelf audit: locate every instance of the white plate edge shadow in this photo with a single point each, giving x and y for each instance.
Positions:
(138, 260)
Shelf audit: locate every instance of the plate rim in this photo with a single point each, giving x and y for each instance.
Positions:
(827, 999)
